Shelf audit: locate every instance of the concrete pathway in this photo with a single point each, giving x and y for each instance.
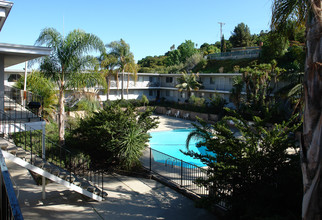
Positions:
(128, 198)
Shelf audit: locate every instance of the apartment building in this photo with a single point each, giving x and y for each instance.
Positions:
(155, 86)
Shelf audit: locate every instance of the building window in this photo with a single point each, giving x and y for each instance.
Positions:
(167, 93)
(150, 92)
(169, 79)
(150, 79)
(14, 77)
(140, 78)
(212, 80)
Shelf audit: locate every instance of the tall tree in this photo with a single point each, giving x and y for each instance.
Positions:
(241, 36)
(186, 49)
(41, 85)
(67, 62)
(108, 63)
(121, 50)
(308, 12)
(223, 46)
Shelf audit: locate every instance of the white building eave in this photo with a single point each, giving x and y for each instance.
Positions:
(5, 8)
(14, 54)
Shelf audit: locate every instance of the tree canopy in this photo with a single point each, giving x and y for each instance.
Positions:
(241, 36)
(66, 64)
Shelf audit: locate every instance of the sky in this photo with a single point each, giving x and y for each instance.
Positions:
(150, 27)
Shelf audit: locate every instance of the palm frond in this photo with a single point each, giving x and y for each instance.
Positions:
(284, 10)
(297, 89)
(80, 80)
(49, 37)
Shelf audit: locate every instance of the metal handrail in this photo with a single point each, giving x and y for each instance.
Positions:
(23, 100)
(9, 208)
(31, 139)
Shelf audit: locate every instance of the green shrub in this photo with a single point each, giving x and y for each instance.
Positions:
(249, 168)
(114, 136)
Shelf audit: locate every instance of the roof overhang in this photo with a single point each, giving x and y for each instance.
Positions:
(14, 54)
(5, 8)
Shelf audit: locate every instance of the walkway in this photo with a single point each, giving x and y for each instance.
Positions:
(170, 123)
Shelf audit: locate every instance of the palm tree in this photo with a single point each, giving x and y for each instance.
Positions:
(308, 13)
(188, 82)
(109, 63)
(67, 62)
(131, 69)
(235, 95)
(41, 85)
(121, 50)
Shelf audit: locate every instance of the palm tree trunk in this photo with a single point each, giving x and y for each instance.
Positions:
(122, 92)
(127, 85)
(108, 86)
(311, 144)
(61, 124)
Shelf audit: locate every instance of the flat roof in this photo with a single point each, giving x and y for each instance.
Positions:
(14, 54)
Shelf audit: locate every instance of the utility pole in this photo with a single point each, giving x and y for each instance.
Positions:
(221, 24)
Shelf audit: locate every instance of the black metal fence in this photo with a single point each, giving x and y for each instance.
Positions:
(22, 104)
(9, 206)
(175, 170)
(31, 139)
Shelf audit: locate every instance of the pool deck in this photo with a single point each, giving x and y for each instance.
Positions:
(169, 123)
(128, 197)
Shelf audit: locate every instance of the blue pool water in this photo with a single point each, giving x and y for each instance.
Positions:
(171, 142)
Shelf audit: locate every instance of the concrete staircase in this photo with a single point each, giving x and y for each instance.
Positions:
(44, 168)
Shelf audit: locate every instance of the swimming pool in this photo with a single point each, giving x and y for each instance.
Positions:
(171, 142)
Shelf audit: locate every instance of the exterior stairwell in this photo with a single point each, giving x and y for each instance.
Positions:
(49, 170)
(23, 143)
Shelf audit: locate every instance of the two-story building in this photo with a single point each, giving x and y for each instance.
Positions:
(157, 86)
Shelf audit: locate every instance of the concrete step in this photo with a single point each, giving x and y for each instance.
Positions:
(21, 154)
(12, 149)
(70, 178)
(4, 145)
(55, 171)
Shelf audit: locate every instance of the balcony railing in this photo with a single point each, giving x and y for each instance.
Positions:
(234, 55)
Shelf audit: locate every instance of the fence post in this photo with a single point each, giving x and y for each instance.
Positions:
(102, 184)
(43, 143)
(150, 159)
(70, 166)
(30, 146)
(25, 137)
(181, 176)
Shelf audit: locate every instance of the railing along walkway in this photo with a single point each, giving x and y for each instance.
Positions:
(22, 105)
(25, 149)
